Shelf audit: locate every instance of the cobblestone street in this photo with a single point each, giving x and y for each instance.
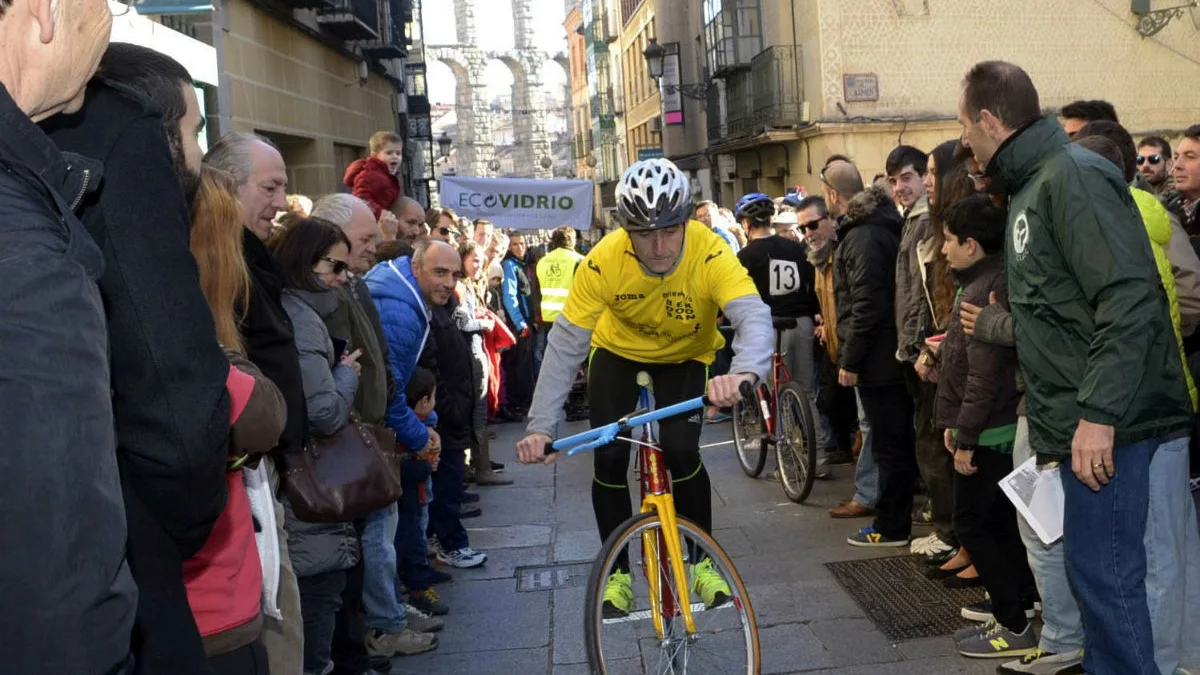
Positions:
(807, 623)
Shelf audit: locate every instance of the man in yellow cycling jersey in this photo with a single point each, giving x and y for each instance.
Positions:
(646, 298)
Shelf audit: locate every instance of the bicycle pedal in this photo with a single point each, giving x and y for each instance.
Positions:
(771, 440)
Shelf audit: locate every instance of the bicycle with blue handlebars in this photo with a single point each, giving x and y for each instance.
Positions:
(665, 630)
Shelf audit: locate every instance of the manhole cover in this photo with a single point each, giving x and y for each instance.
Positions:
(550, 577)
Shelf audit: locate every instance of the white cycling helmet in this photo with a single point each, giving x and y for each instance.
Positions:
(653, 194)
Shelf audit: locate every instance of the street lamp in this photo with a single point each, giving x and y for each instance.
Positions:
(444, 144)
(655, 54)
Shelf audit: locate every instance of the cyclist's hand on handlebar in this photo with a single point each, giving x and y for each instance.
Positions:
(723, 389)
(532, 449)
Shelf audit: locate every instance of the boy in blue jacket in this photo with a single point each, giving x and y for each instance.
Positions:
(416, 467)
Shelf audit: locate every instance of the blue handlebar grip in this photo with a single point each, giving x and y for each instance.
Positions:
(590, 440)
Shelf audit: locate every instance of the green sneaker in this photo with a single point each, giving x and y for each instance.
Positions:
(708, 584)
(618, 595)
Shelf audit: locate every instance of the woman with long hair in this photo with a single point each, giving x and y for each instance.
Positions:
(946, 182)
(225, 580)
(477, 323)
(216, 242)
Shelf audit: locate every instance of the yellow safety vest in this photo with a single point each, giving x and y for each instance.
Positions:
(555, 272)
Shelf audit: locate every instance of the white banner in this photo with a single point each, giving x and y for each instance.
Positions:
(520, 203)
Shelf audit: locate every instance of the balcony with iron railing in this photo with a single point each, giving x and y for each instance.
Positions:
(351, 20)
(778, 82)
(768, 95)
(392, 41)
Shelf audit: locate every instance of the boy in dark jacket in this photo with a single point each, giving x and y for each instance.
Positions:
(416, 471)
(977, 406)
(375, 180)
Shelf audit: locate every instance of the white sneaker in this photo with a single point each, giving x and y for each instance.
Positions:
(464, 557)
(929, 546)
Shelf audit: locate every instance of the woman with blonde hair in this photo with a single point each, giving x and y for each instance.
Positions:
(228, 581)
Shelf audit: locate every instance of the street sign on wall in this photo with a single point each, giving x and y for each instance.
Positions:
(860, 87)
(649, 153)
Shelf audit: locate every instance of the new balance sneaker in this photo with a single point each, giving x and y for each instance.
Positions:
(923, 515)
(422, 622)
(406, 642)
(465, 557)
(929, 546)
(869, 538)
(998, 642)
(982, 611)
(618, 595)
(708, 583)
(1042, 662)
(971, 631)
(428, 601)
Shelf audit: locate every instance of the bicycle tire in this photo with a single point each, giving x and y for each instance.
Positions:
(628, 532)
(795, 487)
(751, 454)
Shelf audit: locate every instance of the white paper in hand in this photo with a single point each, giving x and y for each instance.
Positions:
(1038, 496)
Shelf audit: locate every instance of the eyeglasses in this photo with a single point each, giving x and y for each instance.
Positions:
(1153, 159)
(339, 266)
(977, 177)
(123, 7)
(812, 225)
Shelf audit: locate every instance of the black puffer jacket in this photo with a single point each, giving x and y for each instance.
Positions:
(864, 284)
(447, 354)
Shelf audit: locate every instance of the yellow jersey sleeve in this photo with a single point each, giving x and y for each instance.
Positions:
(586, 301)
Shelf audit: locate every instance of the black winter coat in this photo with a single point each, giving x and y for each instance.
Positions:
(977, 381)
(864, 285)
(68, 595)
(448, 354)
(270, 342)
(168, 372)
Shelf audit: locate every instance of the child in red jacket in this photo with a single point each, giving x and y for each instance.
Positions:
(375, 180)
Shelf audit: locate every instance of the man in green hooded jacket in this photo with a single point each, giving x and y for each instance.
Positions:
(1104, 383)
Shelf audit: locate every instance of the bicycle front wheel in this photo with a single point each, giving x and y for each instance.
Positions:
(796, 446)
(749, 436)
(625, 640)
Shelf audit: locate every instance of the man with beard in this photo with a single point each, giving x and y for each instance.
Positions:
(171, 410)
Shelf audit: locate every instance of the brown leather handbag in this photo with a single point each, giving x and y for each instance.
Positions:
(343, 477)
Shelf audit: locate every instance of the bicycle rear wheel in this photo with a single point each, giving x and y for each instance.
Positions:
(796, 445)
(725, 640)
(749, 436)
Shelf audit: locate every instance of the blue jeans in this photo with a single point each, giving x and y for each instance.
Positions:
(1062, 629)
(447, 500)
(383, 609)
(1173, 559)
(1104, 539)
(411, 547)
(866, 473)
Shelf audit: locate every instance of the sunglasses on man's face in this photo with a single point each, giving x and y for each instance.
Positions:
(812, 225)
(339, 266)
(1153, 159)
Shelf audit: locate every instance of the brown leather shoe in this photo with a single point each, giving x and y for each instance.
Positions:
(851, 509)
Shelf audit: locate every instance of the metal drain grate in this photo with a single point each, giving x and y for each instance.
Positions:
(570, 574)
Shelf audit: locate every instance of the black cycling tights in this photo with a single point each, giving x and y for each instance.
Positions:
(613, 393)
